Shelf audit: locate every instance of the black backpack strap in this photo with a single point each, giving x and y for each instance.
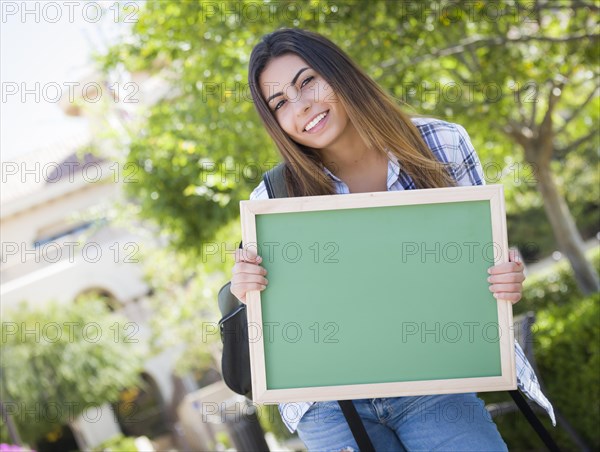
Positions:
(534, 421)
(358, 429)
(275, 182)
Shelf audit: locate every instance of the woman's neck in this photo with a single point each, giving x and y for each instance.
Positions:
(362, 169)
(349, 153)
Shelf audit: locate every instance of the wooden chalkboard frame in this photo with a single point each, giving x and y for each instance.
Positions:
(492, 193)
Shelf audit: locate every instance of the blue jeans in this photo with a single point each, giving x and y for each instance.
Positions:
(452, 422)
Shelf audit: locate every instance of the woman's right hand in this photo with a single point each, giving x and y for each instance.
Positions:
(247, 274)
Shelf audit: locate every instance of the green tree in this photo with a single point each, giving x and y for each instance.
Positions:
(530, 73)
(519, 75)
(58, 360)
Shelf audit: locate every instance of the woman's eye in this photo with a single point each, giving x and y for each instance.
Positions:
(307, 80)
(304, 83)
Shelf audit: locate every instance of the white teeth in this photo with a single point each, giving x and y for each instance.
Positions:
(315, 121)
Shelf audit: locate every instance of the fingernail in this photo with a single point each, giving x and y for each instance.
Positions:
(489, 279)
(490, 271)
(495, 295)
(258, 258)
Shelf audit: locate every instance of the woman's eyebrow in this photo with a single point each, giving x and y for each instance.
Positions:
(293, 82)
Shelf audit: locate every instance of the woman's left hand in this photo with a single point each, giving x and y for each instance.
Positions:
(507, 279)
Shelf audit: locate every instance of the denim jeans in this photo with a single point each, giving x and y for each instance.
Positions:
(452, 422)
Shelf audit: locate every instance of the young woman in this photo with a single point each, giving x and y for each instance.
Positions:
(339, 132)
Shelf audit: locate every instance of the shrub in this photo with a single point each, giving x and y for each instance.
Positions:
(568, 354)
(553, 288)
(117, 443)
(59, 359)
(567, 350)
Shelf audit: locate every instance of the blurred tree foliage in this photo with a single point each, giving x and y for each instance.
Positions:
(59, 360)
(488, 65)
(499, 68)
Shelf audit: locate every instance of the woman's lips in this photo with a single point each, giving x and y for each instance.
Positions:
(320, 125)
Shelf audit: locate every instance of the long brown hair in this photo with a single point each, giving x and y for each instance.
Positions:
(378, 119)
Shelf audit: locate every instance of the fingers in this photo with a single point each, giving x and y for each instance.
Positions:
(242, 284)
(247, 274)
(247, 255)
(242, 296)
(505, 288)
(245, 267)
(514, 264)
(514, 256)
(507, 267)
(503, 278)
(506, 279)
(249, 278)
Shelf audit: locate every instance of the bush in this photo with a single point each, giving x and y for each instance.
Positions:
(568, 353)
(117, 443)
(553, 288)
(59, 359)
(567, 350)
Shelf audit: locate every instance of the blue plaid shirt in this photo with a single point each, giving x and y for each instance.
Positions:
(450, 143)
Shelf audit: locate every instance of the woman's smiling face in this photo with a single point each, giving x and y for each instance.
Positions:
(302, 102)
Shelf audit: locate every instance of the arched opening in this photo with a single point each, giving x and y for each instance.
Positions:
(141, 410)
(59, 440)
(102, 294)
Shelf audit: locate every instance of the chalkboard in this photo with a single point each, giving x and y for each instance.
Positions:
(378, 294)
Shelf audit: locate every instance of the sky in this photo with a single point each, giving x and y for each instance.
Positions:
(43, 49)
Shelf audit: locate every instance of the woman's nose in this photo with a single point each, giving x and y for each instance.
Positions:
(302, 103)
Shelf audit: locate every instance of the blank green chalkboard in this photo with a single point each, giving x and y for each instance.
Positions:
(379, 294)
